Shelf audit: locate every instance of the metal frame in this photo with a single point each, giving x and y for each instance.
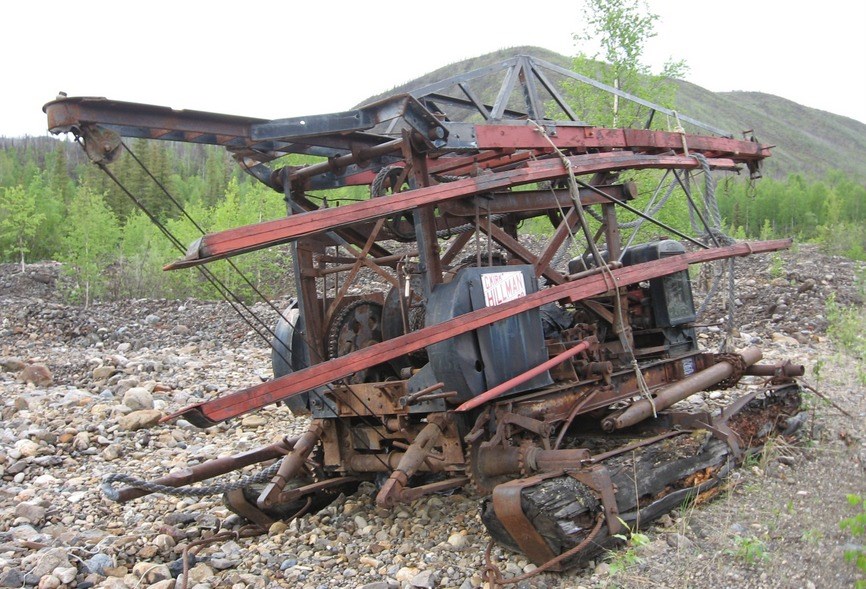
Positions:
(453, 190)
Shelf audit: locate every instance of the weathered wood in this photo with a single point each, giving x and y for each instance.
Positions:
(564, 511)
(650, 480)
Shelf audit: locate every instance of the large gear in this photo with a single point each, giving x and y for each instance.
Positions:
(523, 449)
(480, 482)
(357, 326)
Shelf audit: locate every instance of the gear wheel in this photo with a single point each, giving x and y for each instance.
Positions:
(481, 483)
(357, 326)
(526, 445)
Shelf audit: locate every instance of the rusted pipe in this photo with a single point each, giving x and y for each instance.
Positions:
(521, 378)
(292, 463)
(592, 271)
(409, 399)
(780, 369)
(336, 163)
(495, 461)
(345, 267)
(415, 455)
(212, 468)
(667, 396)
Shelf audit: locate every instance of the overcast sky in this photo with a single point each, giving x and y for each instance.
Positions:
(278, 59)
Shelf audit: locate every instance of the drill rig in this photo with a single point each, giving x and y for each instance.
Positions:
(480, 360)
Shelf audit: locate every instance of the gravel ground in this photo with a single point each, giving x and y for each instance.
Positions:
(113, 368)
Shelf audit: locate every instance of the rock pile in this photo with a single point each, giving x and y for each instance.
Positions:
(83, 390)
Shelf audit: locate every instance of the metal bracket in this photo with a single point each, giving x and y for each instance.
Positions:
(508, 508)
(597, 478)
(101, 145)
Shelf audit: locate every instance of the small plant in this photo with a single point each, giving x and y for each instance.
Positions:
(812, 536)
(622, 559)
(749, 549)
(847, 325)
(817, 369)
(856, 526)
(777, 266)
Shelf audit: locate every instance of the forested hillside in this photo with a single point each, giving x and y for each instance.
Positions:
(56, 205)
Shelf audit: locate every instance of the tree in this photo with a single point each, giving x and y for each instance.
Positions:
(215, 177)
(621, 29)
(90, 241)
(19, 221)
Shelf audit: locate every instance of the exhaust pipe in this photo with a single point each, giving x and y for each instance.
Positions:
(667, 396)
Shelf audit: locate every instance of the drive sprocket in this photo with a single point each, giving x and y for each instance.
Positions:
(357, 326)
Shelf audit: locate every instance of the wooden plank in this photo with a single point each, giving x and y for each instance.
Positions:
(249, 238)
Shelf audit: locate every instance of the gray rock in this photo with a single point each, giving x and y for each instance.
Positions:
(11, 365)
(178, 518)
(176, 566)
(16, 467)
(98, 563)
(46, 560)
(33, 513)
(425, 579)
(139, 419)
(26, 533)
(37, 374)
(150, 572)
(738, 529)
(138, 398)
(381, 585)
(12, 578)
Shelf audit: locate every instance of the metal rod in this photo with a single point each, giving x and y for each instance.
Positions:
(780, 369)
(343, 161)
(212, 468)
(409, 399)
(674, 393)
(643, 216)
(521, 378)
(292, 463)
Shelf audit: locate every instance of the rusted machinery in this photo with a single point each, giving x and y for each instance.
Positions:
(480, 361)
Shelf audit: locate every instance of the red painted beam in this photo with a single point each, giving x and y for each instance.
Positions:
(506, 386)
(241, 402)
(250, 238)
(583, 138)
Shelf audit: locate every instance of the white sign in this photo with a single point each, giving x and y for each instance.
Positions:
(501, 287)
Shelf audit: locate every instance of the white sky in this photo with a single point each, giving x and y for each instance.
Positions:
(277, 59)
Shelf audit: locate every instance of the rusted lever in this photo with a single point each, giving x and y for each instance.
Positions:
(417, 452)
(291, 464)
